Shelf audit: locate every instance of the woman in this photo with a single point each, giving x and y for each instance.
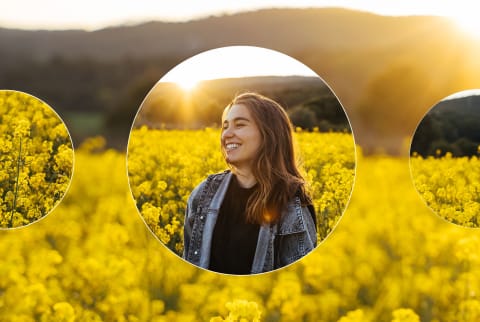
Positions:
(257, 216)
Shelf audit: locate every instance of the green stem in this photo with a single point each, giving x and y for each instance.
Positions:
(19, 160)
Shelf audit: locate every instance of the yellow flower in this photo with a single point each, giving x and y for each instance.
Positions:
(34, 169)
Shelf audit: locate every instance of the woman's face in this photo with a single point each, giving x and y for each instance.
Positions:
(240, 138)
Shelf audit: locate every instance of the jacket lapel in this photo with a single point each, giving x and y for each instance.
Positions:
(211, 219)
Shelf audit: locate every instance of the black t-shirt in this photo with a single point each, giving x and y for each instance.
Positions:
(234, 241)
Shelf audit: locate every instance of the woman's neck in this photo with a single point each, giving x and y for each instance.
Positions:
(245, 178)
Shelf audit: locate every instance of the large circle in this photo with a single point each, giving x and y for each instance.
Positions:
(36, 159)
(174, 143)
(444, 161)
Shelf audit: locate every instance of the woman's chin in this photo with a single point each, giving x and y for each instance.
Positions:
(229, 158)
(232, 162)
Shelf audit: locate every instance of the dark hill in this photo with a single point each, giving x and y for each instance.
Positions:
(386, 71)
(450, 126)
(308, 101)
(288, 30)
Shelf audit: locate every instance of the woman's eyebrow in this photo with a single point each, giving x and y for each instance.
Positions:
(240, 118)
(236, 119)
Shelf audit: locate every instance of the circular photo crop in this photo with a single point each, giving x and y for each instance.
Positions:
(241, 160)
(444, 158)
(36, 159)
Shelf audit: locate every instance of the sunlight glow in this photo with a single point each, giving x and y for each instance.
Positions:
(93, 15)
(234, 62)
(469, 24)
(187, 83)
(465, 18)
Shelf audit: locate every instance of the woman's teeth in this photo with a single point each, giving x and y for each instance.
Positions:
(232, 146)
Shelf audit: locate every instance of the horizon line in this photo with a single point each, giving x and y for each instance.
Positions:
(212, 15)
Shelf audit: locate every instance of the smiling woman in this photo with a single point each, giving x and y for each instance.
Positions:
(253, 205)
(260, 216)
(240, 138)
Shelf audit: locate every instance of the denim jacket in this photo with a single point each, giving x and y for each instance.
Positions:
(279, 244)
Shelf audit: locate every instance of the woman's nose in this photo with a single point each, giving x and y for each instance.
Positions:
(227, 133)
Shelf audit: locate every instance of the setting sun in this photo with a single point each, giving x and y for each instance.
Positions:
(187, 83)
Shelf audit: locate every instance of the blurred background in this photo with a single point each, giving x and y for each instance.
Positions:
(194, 94)
(388, 64)
(390, 258)
(450, 126)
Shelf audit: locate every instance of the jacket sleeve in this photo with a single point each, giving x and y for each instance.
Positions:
(296, 235)
(310, 223)
(190, 210)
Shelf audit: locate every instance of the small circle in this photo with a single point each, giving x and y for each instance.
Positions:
(241, 160)
(36, 159)
(444, 158)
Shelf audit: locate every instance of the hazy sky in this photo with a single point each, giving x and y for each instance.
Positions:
(234, 61)
(96, 14)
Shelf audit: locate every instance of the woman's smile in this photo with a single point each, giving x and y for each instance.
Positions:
(231, 146)
(241, 138)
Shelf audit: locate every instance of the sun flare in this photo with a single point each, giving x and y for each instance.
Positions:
(467, 21)
(233, 61)
(187, 83)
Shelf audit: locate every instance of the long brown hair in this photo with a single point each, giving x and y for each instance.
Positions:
(275, 167)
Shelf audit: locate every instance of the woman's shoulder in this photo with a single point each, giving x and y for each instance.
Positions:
(210, 181)
(295, 217)
(218, 175)
(215, 177)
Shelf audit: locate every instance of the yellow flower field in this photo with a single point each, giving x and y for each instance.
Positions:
(450, 186)
(36, 159)
(93, 259)
(164, 167)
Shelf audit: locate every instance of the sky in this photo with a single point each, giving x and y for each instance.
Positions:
(234, 61)
(97, 14)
